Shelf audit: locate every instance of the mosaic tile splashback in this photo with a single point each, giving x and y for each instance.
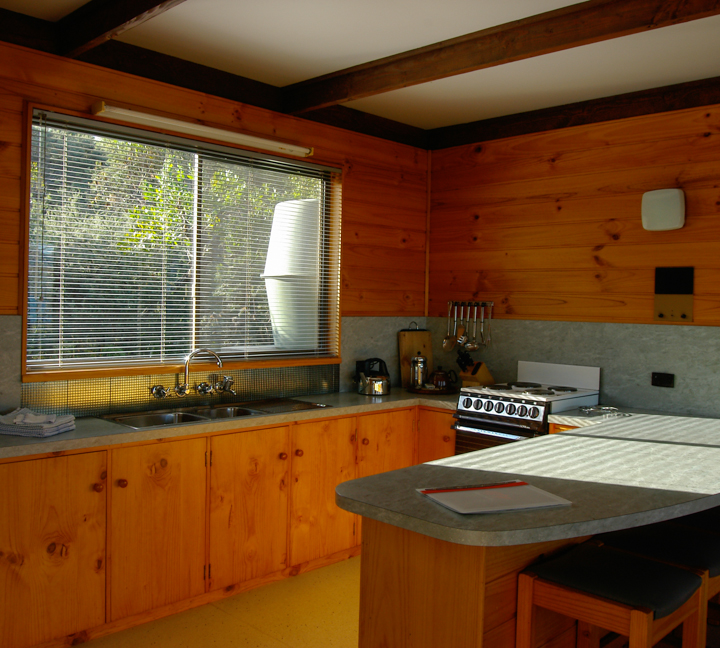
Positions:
(97, 396)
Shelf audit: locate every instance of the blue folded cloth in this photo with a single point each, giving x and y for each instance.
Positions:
(25, 422)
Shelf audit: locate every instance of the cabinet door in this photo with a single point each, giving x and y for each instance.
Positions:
(52, 548)
(249, 474)
(157, 529)
(436, 438)
(323, 457)
(386, 441)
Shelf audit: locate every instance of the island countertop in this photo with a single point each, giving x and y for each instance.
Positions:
(618, 474)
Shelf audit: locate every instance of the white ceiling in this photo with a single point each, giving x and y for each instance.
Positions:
(285, 41)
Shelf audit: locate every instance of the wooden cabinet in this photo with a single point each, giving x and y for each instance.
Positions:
(157, 525)
(323, 456)
(52, 547)
(385, 441)
(249, 480)
(436, 438)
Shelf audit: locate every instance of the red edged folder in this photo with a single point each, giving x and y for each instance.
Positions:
(512, 495)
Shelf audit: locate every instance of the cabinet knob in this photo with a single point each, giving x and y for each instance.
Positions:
(446, 438)
(282, 455)
(365, 441)
(98, 488)
(122, 483)
(299, 453)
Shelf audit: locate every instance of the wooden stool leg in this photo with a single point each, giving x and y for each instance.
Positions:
(588, 636)
(525, 629)
(694, 628)
(641, 624)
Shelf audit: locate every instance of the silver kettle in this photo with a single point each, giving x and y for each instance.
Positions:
(372, 377)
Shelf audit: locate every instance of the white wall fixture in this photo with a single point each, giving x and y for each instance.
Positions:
(101, 109)
(663, 209)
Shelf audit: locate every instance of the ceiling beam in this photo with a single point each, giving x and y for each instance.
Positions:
(100, 20)
(681, 96)
(27, 31)
(553, 31)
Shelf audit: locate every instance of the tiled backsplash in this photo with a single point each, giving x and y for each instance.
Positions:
(98, 396)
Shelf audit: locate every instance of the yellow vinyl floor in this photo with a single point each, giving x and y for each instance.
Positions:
(318, 609)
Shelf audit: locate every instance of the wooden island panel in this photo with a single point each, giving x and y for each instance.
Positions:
(420, 592)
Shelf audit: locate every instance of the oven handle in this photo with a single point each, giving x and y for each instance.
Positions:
(502, 435)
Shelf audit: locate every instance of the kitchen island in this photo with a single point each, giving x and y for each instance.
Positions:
(431, 577)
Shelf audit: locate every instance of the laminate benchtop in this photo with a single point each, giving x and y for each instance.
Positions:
(617, 474)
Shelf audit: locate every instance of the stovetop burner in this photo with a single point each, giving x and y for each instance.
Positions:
(524, 385)
(539, 392)
(500, 387)
(562, 390)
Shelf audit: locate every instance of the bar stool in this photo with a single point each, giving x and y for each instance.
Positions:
(675, 544)
(637, 597)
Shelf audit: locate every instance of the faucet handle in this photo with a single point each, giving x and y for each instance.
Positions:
(181, 390)
(159, 391)
(225, 385)
(205, 388)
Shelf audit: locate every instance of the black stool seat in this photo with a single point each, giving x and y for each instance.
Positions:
(621, 577)
(709, 520)
(666, 541)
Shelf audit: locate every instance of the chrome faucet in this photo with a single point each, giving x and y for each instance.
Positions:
(182, 390)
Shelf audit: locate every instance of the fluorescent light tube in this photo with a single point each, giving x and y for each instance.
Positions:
(189, 128)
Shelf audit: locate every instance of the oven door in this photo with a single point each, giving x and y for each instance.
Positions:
(473, 434)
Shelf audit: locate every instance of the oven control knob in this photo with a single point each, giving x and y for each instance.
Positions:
(522, 410)
(499, 407)
(510, 409)
(467, 403)
(489, 406)
(478, 404)
(534, 412)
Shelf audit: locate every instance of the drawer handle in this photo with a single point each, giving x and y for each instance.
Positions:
(283, 456)
(122, 483)
(365, 441)
(299, 453)
(446, 438)
(98, 488)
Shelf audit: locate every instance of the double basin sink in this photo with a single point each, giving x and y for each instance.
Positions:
(205, 413)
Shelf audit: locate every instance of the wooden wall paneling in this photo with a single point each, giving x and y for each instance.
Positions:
(388, 180)
(548, 225)
(699, 201)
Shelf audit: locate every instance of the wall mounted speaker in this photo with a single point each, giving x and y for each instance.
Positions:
(663, 209)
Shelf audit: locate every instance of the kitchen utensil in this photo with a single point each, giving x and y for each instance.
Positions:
(450, 340)
(418, 371)
(443, 379)
(461, 337)
(472, 345)
(488, 334)
(409, 341)
(372, 377)
(482, 323)
(464, 360)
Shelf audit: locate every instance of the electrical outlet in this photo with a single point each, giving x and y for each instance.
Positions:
(662, 379)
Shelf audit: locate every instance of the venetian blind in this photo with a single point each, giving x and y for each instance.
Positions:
(143, 247)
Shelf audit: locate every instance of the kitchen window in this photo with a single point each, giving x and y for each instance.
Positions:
(144, 246)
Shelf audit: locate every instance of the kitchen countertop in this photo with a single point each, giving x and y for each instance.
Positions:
(578, 418)
(619, 474)
(92, 432)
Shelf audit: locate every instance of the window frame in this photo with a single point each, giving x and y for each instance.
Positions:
(332, 223)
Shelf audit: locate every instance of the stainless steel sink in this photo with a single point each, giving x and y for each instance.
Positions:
(204, 413)
(226, 412)
(152, 419)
